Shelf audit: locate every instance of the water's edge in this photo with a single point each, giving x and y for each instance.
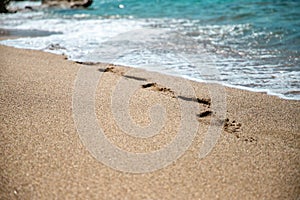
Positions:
(26, 33)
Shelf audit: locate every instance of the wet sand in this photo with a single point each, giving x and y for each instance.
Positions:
(14, 33)
(257, 155)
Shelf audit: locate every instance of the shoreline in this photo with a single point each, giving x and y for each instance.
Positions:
(256, 155)
(15, 33)
(262, 91)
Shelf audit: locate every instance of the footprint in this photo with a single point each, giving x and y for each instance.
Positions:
(250, 139)
(87, 63)
(110, 69)
(156, 87)
(235, 128)
(204, 101)
(231, 126)
(113, 69)
(149, 85)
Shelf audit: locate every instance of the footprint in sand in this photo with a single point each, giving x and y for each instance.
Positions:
(87, 63)
(204, 101)
(112, 69)
(232, 126)
(156, 87)
(235, 128)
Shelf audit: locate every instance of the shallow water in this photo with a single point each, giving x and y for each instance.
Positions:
(251, 44)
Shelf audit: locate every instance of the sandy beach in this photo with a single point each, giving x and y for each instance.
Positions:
(257, 155)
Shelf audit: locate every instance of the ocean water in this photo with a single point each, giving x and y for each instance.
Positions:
(249, 44)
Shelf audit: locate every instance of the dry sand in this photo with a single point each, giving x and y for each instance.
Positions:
(42, 156)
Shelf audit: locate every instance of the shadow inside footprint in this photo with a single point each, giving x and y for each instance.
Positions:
(204, 101)
(149, 85)
(205, 114)
(87, 63)
(109, 69)
(135, 78)
(198, 100)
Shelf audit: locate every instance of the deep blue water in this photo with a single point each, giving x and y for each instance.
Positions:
(253, 43)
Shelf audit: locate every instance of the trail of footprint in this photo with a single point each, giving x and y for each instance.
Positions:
(229, 126)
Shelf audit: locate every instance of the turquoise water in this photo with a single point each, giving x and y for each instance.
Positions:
(253, 44)
(279, 19)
